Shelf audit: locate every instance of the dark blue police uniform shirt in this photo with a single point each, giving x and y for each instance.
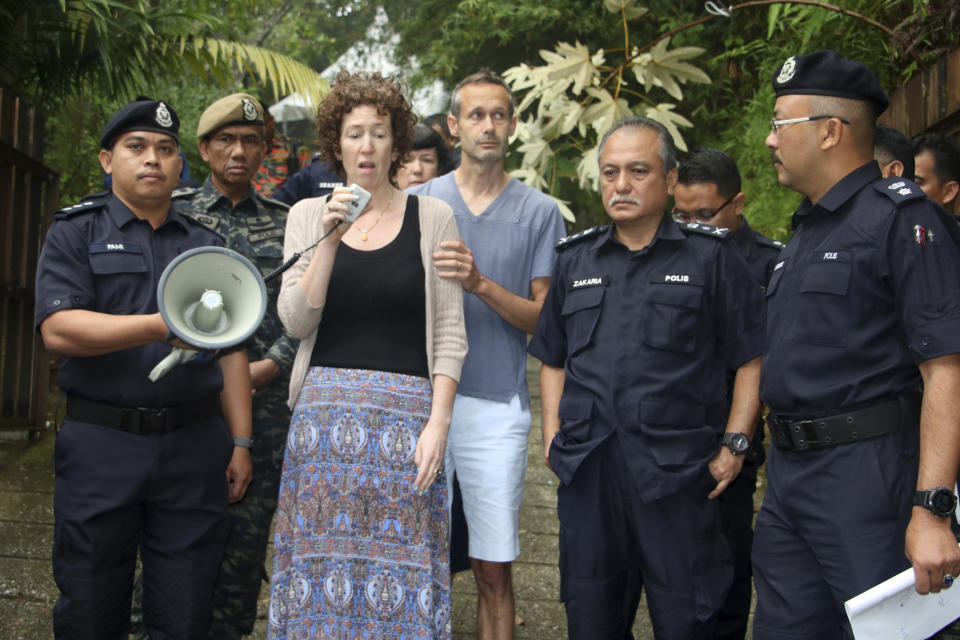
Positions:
(759, 251)
(105, 259)
(865, 290)
(313, 181)
(646, 339)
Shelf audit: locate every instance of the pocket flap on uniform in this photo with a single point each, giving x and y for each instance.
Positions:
(676, 412)
(581, 299)
(676, 295)
(108, 262)
(826, 277)
(575, 408)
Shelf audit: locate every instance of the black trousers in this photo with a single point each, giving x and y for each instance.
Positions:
(116, 493)
(612, 545)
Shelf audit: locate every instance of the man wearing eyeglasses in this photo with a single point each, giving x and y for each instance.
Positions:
(862, 365)
(708, 191)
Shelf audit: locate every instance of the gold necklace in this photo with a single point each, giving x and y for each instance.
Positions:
(363, 232)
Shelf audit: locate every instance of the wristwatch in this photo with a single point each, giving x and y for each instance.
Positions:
(940, 501)
(738, 443)
(239, 441)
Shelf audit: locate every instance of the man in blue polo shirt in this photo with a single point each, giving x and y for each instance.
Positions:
(504, 265)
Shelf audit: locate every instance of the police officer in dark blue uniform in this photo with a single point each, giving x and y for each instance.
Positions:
(708, 191)
(863, 312)
(641, 324)
(313, 181)
(139, 464)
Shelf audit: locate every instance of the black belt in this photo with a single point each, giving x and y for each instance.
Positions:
(142, 421)
(860, 424)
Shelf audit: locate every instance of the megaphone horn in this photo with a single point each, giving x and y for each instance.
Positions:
(209, 297)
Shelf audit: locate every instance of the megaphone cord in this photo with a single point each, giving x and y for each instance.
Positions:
(293, 259)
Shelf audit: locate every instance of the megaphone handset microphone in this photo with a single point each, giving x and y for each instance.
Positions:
(355, 208)
(211, 298)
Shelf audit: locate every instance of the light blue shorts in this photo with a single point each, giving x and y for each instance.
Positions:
(487, 447)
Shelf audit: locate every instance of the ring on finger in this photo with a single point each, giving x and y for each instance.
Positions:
(948, 579)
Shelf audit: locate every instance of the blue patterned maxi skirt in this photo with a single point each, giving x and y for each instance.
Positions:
(357, 554)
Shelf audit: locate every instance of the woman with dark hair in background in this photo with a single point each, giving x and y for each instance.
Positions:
(361, 543)
(428, 158)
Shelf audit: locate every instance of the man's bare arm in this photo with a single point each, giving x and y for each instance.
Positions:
(551, 388)
(744, 412)
(83, 333)
(455, 261)
(930, 545)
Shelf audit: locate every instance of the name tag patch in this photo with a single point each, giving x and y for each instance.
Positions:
(592, 281)
(114, 247)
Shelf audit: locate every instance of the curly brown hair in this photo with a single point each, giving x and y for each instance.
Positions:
(351, 90)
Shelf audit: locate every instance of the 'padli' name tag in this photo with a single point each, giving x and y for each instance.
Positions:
(583, 283)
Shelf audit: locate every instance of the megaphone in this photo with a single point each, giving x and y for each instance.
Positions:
(209, 297)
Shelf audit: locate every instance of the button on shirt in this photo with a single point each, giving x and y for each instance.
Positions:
(646, 339)
(107, 260)
(865, 290)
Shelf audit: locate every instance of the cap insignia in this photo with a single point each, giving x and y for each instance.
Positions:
(163, 116)
(249, 110)
(788, 70)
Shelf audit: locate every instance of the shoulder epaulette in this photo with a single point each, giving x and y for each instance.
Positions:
(900, 190)
(768, 242)
(185, 192)
(91, 203)
(564, 243)
(275, 203)
(705, 229)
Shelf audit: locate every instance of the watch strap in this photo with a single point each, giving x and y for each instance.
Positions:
(240, 441)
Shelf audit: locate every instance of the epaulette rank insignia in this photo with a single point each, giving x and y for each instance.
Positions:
(768, 242)
(899, 190)
(185, 192)
(90, 203)
(564, 243)
(705, 229)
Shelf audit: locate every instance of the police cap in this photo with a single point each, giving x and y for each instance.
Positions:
(237, 108)
(826, 73)
(142, 115)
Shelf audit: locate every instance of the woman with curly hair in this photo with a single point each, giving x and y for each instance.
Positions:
(361, 543)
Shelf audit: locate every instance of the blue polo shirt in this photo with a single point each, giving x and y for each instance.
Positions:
(646, 339)
(512, 243)
(865, 290)
(100, 257)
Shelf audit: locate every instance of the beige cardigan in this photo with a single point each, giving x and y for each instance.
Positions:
(446, 334)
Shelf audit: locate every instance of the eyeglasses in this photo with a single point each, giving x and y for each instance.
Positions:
(701, 215)
(776, 124)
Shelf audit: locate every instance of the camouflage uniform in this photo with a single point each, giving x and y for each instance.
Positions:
(283, 158)
(254, 228)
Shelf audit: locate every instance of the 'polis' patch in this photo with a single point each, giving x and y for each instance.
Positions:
(677, 278)
(593, 281)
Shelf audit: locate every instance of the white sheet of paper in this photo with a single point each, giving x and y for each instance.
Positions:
(893, 610)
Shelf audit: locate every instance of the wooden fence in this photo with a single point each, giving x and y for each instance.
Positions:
(930, 101)
(29, 192)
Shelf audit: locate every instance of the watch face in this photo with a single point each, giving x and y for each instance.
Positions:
(943, 501)
(738, 442)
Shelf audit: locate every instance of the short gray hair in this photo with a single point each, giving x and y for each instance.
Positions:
(668, 152)
(484, 76)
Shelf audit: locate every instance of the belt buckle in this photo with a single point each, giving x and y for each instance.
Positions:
(154, 421)
(800, 435)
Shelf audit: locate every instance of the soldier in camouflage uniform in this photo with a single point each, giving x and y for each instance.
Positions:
(230, 138)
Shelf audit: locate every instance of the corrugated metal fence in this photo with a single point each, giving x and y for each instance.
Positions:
(29, 192)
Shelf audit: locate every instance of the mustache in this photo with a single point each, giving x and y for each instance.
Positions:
(618, 199)
(774, 159)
